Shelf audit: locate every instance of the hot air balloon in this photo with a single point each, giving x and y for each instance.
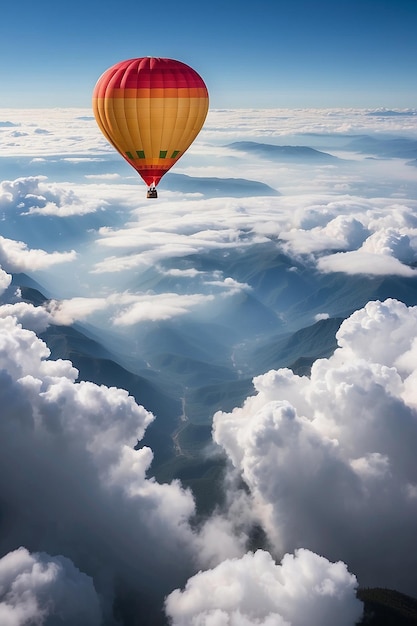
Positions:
(150, 109)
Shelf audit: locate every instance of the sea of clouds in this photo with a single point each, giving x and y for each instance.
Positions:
(324, 464)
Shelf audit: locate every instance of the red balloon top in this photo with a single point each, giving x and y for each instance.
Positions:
(149, 73)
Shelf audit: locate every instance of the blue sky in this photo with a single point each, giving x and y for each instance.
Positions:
(296, 53)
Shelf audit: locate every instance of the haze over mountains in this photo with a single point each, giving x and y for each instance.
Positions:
(262, 317)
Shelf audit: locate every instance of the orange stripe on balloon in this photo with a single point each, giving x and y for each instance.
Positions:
(154, 92)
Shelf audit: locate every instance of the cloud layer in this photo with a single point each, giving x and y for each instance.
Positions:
(327, 460)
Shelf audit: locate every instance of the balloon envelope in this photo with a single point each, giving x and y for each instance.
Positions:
(151, 110)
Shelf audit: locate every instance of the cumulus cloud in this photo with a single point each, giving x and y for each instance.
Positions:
(329, 459)
(29, 316)
(67, 457)
(16, 256)
(355, 236)
(384, 252)
(254, 590)
(5, 280)
(33, 195)
(342, 232)
(40, 589)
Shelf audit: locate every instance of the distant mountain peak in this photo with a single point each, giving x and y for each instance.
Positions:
(282, 153)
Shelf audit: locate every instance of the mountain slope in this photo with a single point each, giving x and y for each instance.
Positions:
(286, 154)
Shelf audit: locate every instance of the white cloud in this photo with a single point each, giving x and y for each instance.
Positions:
(224, 125)
(342, 232)
(355, 236)
(343, 235)
(254, 590)
(126, 309)
(329, 459)
(31, 317)
(321, 316)
(103, 176)
(220, 538)
(189, 273)
(40, 589)
(67, 457)
(41, 131)
(231, 285)
(5, 280)
(155, 307)
(362, 262)
(308, 219)
(66, 312)
(384, 252)
(178, 230)
(15, 256)
(33, 195)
